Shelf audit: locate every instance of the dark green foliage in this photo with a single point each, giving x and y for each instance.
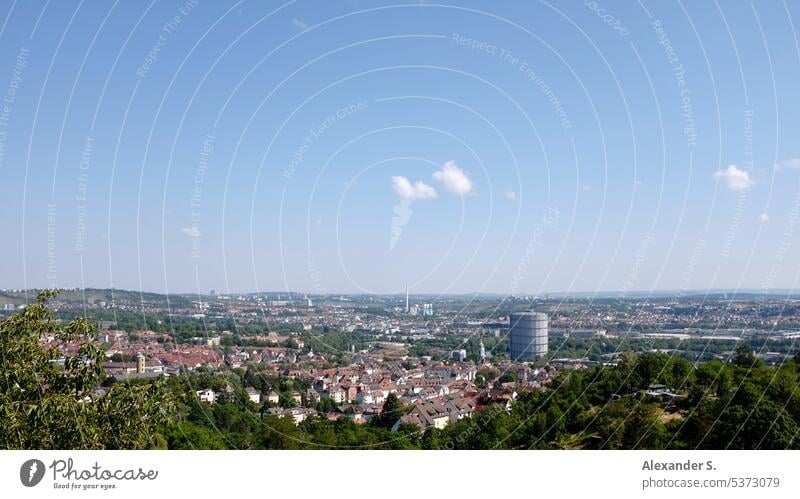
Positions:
(44, 405)
(392, 411)
(744, 357)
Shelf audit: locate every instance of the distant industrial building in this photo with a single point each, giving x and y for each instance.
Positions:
(586, 334)
(527, 335)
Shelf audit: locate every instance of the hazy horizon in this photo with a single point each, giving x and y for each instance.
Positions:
(541, 295)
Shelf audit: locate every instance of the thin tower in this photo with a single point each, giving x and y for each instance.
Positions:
(408, 309)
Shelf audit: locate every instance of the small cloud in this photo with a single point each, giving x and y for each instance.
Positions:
(298, 23)
(586, 188)
(735, 179)
(453, 178)
(764, 217)
(790, 163)
(191, 231)
(406, 190)
(511, 195)
(401, 216)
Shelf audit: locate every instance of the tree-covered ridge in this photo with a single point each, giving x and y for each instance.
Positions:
(742, 405)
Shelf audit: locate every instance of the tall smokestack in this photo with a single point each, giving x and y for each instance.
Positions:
(408, 309)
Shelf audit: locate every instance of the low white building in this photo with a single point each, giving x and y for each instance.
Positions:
(337, 395)
(207, 396)
(253, 395)
(273, 397)
(425, 414)
(297, 414)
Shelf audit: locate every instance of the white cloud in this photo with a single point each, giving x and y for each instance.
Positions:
(735, 179)
(511, 195)
(191, 231)
(418, 190)
(402, 215)
(298, 23)
(453, 178)
(586, 188)
(790, 163)
(764, 217)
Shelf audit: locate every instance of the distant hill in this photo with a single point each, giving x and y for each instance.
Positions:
(96, 296)
(127, 297)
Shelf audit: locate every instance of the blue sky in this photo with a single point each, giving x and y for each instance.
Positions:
(362, 146)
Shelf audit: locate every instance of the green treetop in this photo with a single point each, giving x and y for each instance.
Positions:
(49, 400)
